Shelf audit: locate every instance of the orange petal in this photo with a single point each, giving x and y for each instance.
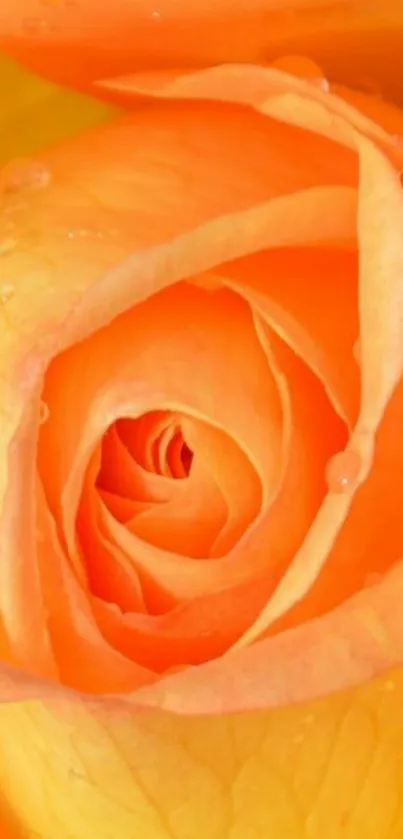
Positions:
(122, 474)
(79, 44)
(25, 629)
(366, 547)
(108, 571)
(312, 214)
(89, 663)
(190, 522)
(309, 297)
(143, 437)
(198, 258)
(154, 330)
(268, 545)
(189, 634)
(256, 237)
(234, 475)
(293, 99)
(217, 350)
(382, 360)
(350, 645)
(379, 110)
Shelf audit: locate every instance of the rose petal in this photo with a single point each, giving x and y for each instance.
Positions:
(382, 359)
(109, 573)
(255, 231)
(234, 475)
(157, 774)
(269, 545)
(51, 113)
(304, 217)
(195, 335)
(350, 645)
(363, 551)
(309, 297)
(259, 223)
(123, 474)
(78, 44)
(90, 663)
(62, 207)
(188, 524)
(193, 632)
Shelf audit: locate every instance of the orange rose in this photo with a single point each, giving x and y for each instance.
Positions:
(201, 362)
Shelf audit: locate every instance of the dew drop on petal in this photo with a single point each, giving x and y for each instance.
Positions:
(24, 174)
(319, 82)
(77, 233)
(43, 413)
(322, 83)
(343, 470)
(6, 293)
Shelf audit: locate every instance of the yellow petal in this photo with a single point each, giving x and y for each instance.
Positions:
(35, 113)
(323, 770)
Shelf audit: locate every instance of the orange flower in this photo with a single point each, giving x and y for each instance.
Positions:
(201, 389)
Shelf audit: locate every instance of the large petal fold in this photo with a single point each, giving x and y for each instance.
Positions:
(78, 43)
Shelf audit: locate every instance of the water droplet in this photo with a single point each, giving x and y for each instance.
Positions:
(321, 83)
(24, 174)
(342, 471)
(156, 15)
(84, 233)
(43, 413)
(357, 352)
(6, 293)
(303, 68)
(389, 685)
(7, 245)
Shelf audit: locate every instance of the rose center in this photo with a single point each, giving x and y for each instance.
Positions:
(155, 441)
